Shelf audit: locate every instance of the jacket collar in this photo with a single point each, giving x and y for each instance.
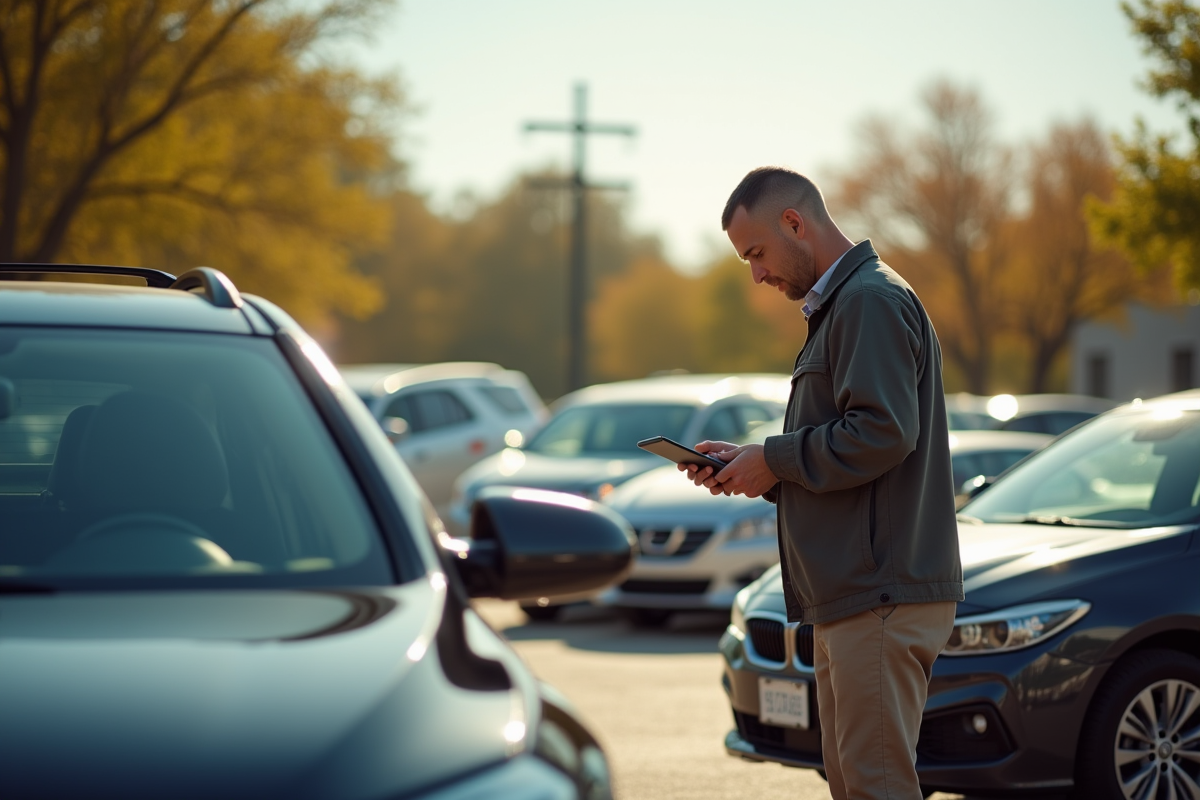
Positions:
(854, 258)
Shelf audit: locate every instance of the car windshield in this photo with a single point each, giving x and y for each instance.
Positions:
(170, 458)
(1129, 470)
(610, 430)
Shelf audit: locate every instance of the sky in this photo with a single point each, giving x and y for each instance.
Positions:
(715, 89)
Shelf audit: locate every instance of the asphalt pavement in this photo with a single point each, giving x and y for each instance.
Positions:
(653, 698)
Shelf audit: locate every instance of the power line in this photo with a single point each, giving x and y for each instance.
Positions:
(580, 128)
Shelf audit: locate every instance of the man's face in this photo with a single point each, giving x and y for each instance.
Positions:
(775, 257)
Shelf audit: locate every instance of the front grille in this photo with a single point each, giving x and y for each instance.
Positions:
(804, 645)
(951, 736)
(664, 587)
(693, 540)
(767, 637)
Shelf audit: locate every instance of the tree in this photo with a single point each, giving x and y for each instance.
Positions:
(1154, 214)
(1057, 278)
(647, 319)
(179, 132)
(938, 201)
(490, 283)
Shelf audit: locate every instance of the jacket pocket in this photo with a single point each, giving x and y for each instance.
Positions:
(868, 529)
(810, 365)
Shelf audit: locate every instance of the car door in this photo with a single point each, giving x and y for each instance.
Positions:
(443, 439)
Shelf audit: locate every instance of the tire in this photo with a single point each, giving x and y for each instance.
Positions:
(542, 613)
(1159, 687)
(647, 617)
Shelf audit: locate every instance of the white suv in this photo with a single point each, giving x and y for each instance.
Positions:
(443, 418)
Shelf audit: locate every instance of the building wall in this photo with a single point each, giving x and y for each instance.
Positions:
(1152, 352)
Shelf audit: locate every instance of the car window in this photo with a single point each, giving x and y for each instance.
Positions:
(750, 415)
(1062, 421)
(723, 425)
(989, 463)
(1030, 423)
(1128, 470)
(609, 430)
(1051, 422)
(429, 410)
(186, 456)
(969, 420)
(504, 399)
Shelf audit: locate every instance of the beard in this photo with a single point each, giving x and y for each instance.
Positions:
(801, 273)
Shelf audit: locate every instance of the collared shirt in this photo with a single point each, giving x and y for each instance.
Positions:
(812, 300)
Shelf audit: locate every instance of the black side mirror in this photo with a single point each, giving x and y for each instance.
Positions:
(532, 543)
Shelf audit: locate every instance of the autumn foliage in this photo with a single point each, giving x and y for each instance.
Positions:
(182, 132)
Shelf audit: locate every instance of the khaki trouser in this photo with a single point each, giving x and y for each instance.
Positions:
(872, 672)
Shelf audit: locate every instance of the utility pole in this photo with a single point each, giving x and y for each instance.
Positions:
(577, 279)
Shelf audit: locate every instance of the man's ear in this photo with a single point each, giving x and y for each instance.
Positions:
(792, 221)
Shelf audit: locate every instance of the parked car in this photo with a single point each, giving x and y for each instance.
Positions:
(977, 458)
(697, 550)
(968, 412)
(1075, 659)
(589, 447)
(445, 417)
(218, 578)
(1045, 413)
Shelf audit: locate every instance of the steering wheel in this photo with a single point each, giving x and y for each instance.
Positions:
(142, 522)
(140, 544)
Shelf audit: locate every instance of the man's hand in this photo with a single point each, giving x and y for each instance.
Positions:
(747, 471)
(703, 476)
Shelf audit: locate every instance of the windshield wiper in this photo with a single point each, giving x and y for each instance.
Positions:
(1075, 522)
(968, 519)
(20, 587)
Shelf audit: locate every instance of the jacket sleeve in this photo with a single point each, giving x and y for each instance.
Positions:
(874, 354)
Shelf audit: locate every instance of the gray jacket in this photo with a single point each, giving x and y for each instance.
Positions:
(866, 497)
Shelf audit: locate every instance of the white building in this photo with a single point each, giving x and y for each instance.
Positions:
(1151, 352)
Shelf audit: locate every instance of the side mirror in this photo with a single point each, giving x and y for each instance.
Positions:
(396, 428)
(529, 543)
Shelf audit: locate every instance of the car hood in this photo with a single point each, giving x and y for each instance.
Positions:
(236, 694)
(1005, 564)
(664, 490)
(579, 475)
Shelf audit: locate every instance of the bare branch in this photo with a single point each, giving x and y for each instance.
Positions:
(76, 193)
(179, 91)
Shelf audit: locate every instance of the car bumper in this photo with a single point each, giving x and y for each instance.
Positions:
(705, 580)
(1033, 703)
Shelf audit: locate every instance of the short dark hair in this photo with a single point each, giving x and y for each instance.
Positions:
(787, 188)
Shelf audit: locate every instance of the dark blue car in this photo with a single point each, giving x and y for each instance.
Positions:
(1075, 660)
(218, 579)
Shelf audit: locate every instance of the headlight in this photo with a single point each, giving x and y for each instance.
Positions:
(737, 614)
(756, 527)
(1012, 628)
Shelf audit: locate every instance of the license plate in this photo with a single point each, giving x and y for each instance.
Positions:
(783, 702)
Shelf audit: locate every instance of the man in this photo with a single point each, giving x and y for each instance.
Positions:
(861, 474)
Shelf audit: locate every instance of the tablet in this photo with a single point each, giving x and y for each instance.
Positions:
(674, 451)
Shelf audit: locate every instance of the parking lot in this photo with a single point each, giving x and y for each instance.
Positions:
(654, 700)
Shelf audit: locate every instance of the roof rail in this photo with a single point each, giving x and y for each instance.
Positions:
(217, 288)
(153, 277)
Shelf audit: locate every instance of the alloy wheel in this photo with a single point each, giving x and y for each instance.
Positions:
(1157, 747)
